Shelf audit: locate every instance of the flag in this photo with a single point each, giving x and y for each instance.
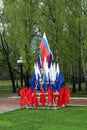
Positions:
(60, 97)
(27, 96)
(43, 60)
(37, 71)
(22, 96)
(61, 78)
(30, 96)
(46, 70)
(52, 73)
(42, 97)
(38, 82)
(58, 70)
(56, 82)
(45, 82)
(35, 99)
(39, 61)
(32, 82)
(50, 60)
(64, 96)
(59, 81)
(44, 47)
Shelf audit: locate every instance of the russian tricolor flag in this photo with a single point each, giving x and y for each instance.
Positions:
(46, 52)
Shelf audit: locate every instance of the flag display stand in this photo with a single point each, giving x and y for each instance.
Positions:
(47, 89)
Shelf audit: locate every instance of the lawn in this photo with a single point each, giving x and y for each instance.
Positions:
(5, 87)
(68, 118)
(5, 84)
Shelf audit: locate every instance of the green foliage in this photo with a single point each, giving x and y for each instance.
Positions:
(21, 19)
(64, 23)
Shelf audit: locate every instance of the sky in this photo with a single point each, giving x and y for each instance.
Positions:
(0, 3)
(1, 6)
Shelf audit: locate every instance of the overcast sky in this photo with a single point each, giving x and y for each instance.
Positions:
(0, 3)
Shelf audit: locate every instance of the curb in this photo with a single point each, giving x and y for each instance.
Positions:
(78, 98)
(10, 109)
(76, 105)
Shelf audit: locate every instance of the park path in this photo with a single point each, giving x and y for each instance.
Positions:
(11, 102)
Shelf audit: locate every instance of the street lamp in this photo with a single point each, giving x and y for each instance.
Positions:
(20, 61)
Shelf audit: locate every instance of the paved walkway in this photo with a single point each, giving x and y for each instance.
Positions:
(11, 102)
(78, 101)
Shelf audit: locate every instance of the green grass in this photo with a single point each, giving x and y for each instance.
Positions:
(68, 118)
(5, 84)
(5, 87)
(79, 94)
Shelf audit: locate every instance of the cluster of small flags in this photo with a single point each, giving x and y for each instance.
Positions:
(31, 99)
(47, 73)
(45, 79)
(48, 77)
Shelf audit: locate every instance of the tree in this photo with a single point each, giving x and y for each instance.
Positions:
(19, 32)
(5, 50)
(64, 23)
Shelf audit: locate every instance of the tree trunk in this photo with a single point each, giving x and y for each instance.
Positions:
(12, 77)
(80, 77)
(80, 43)
(74, 84)
(26, 79)
(73, 79)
